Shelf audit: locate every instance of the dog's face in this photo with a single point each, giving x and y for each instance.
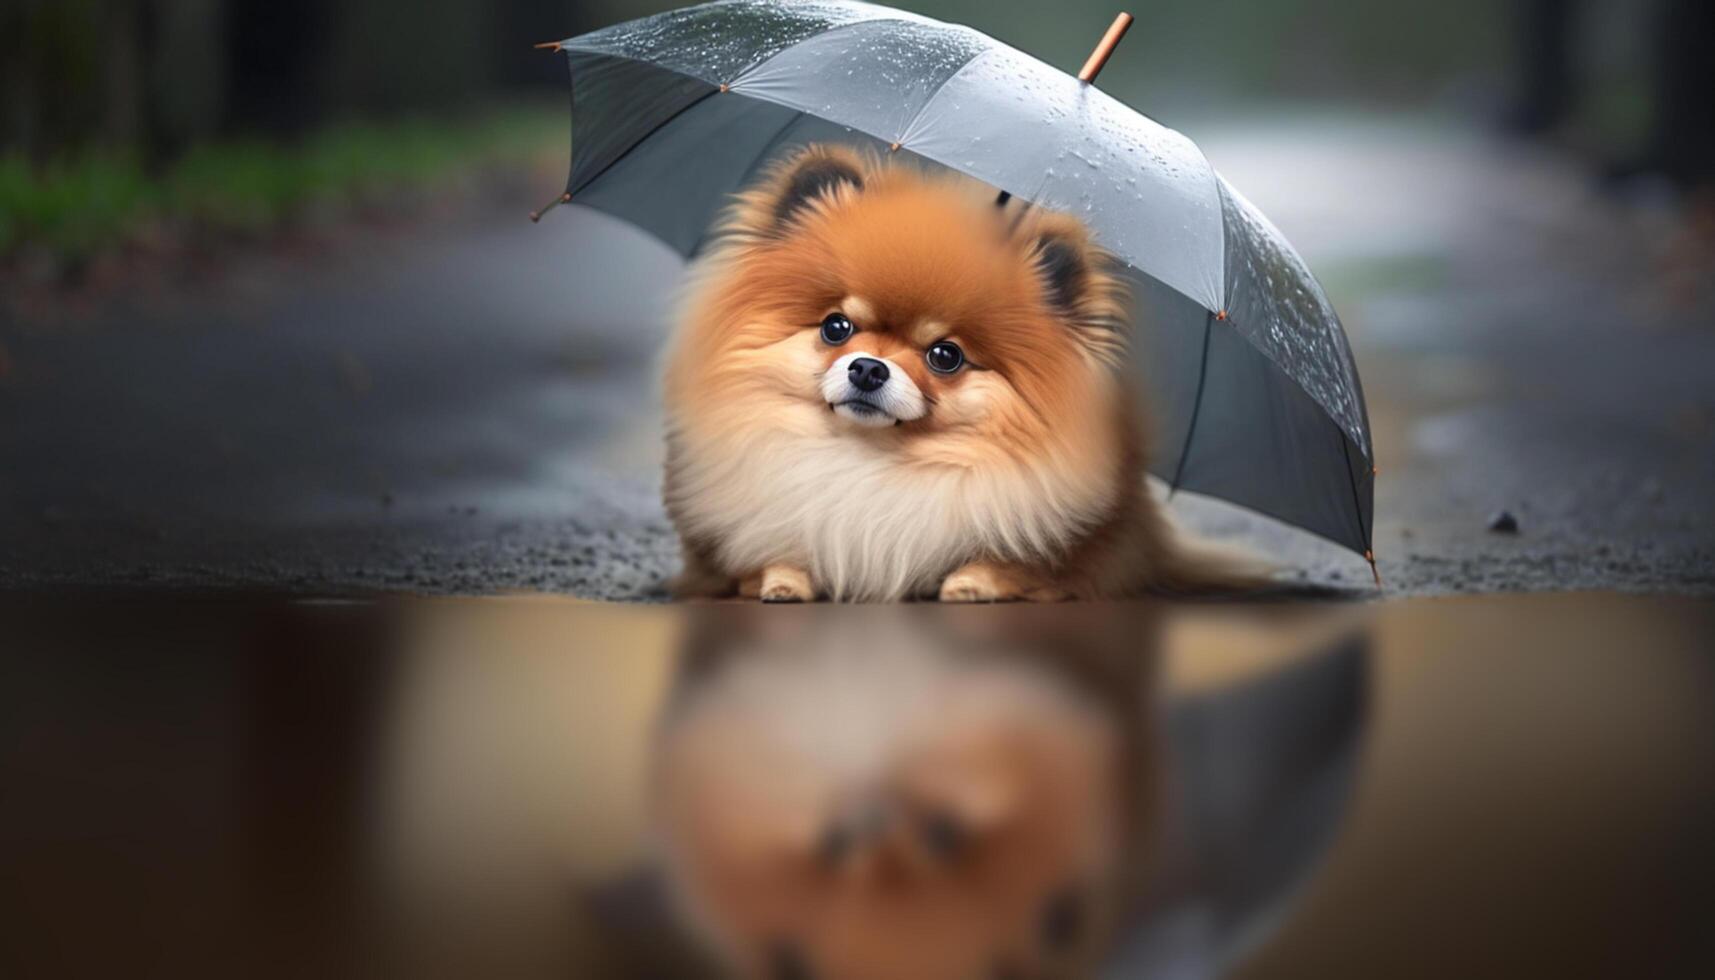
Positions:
(900, 307)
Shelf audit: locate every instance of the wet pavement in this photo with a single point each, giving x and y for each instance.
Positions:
(1495, 786)
(468, 406)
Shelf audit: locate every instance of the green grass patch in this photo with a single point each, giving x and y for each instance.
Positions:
(79, 206)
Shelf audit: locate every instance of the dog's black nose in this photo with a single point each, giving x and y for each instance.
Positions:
(867, 373)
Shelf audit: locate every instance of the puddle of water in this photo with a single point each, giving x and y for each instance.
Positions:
(542, 787)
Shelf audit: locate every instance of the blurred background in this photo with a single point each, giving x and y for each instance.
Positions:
(233, 116)
(227, 115)
(270, 313)
(158, 79)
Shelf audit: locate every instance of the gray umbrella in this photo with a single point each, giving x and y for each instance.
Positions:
(1256, 397)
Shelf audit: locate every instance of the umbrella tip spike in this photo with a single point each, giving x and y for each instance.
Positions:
(1370, 556)
(548, 46)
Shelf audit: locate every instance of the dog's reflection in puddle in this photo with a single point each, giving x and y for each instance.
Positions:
(905, 792)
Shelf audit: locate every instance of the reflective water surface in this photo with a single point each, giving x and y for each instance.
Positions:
(536, 787)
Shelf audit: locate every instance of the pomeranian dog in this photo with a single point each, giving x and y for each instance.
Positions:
(883, 386)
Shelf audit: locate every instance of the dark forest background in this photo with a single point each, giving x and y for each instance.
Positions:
(162, 74)
(147, 121)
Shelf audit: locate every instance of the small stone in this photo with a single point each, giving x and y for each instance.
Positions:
(1503, 522)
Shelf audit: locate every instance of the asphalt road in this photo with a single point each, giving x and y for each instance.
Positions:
(469, 405)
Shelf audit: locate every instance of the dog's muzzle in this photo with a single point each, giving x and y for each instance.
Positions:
(871, 391)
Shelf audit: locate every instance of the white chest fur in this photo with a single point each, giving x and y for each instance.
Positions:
(865, 520)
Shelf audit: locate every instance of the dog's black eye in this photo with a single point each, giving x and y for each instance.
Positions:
(944, 357)
(836, 329)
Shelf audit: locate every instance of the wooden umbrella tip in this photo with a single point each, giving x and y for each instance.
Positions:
(1105, 48)
(548, 46)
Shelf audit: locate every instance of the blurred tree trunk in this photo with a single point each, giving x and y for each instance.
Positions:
(274, 57)
(182, 74)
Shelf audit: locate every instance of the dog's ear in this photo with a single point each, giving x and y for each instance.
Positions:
(1077, 275)
(815, 174)
(1062, 260)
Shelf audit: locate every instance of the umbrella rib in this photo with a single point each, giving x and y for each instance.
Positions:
(1196, 408)
(1357, 500)
(905, 131)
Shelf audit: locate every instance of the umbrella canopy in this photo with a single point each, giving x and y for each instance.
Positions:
(1256, 396)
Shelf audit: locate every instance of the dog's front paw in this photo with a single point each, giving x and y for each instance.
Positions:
(978, 582)
(780, 583)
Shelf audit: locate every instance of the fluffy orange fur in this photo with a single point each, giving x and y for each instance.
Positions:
(1019, 476)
